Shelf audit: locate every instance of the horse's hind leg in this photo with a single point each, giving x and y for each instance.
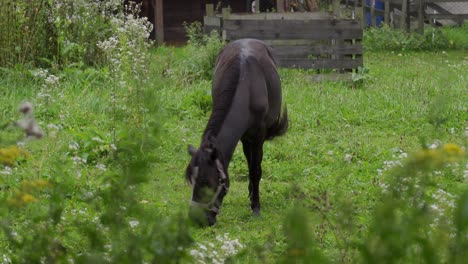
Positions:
(253, 151)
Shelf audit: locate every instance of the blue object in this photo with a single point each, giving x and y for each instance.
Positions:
(379, 5)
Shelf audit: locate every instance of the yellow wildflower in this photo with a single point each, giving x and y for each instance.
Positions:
(10, 154)
(453, 150)
(33, 185)
(427, 154)
(27, 198)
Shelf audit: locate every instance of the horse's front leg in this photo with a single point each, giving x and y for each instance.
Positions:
(255, 174)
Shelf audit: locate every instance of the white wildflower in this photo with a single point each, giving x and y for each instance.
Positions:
(100, 166)
(54, 127)
(40, 73)
(348, 158)
(97, 139)
(6, 171)
(435, 145)
(6, 259)
(133, 223)
(74, 146)
(51, 80)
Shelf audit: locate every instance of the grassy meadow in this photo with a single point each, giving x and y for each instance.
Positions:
(344, 138)
(95, 122)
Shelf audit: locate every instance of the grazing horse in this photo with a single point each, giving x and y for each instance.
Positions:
(246, 95)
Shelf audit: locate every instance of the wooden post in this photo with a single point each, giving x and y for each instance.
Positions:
(257, 6)
(280, 6)
(226, 12)
(159, 21)
(210, 10)
(420, 16)
(372, 13)
(363, 17)
(404, 11)
(336, 8)
(387, 12)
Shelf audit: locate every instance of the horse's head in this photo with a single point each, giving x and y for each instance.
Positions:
(206, 172)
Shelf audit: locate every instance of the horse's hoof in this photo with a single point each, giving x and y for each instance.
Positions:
(256, 212)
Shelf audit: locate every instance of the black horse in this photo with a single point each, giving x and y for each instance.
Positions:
(246, 94)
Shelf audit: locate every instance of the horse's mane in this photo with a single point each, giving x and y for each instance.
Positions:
(224, 88)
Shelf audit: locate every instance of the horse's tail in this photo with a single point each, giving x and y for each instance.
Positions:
(280, 127)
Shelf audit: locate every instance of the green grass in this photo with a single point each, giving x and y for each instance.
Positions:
(406, 99)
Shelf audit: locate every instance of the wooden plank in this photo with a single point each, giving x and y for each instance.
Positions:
(212, 21)
(208, 29)
(336, 8)
(420, 16)
(443, 1)
(280, 6)
(372, 13)
(404, 11)
(387, 13)
(305, 63)
(317, 35)
(226, 12)
(282, 16)
(300, 42)
(292, 29)
(447, 16)
(292, 25)
(159, 21)
(210, 10)
(331, 77)
(304, 51)
(363, 13)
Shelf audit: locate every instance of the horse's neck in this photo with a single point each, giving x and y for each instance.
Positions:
(234, 126)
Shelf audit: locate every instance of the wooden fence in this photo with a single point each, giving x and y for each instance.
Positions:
(405, 10)
(301, 40)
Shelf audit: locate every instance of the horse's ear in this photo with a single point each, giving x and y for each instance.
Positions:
(192, 150)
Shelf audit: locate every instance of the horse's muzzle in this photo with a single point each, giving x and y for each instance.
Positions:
(202, 217)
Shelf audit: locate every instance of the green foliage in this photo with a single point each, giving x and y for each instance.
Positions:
(25, 32)
(457, 35)
(407, 224)
(59, 32)
(387, 38)
(200, 55)
(360, 76)
(301, 246)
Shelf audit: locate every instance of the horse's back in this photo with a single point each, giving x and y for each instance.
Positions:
(258, 84)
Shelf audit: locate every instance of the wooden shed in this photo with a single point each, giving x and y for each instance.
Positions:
(168, 16)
